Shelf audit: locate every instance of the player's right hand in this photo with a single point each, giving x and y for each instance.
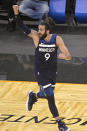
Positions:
(15, 8)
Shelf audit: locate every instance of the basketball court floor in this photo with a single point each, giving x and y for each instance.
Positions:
(71, 100)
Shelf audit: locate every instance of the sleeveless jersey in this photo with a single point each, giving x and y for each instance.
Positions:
(46, 54)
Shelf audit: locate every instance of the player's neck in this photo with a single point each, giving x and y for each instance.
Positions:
(48, 37)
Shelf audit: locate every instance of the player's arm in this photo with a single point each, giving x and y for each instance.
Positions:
(64, 51)
(30, 32)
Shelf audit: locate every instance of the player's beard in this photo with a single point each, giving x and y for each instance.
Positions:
(44, 35)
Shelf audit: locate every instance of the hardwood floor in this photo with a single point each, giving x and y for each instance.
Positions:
(71, 100)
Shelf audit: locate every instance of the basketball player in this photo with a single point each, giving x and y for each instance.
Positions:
(45, 64)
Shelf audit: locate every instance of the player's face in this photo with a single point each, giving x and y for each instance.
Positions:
(42, 31)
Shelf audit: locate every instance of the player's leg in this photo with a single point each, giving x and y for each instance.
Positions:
(53, 109)
(32, 97)
(51, 102)
(46, 91)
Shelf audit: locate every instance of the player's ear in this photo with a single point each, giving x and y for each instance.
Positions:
(48, 31)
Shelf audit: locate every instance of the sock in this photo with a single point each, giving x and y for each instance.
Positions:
(59, 121)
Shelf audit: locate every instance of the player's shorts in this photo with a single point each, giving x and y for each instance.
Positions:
(46, 78)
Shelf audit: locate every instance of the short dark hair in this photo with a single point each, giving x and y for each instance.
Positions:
(48, 23)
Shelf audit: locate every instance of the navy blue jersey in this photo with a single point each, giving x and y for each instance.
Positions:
(46, 54)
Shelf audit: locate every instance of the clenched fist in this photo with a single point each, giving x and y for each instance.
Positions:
(15, 8)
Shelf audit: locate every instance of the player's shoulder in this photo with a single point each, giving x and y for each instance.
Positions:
(54, 35)
(58, 37)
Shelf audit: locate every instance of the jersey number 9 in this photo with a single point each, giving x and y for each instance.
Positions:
(47, 56)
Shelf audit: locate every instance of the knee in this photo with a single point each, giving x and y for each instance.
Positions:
(49, 91)
(45, 93)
